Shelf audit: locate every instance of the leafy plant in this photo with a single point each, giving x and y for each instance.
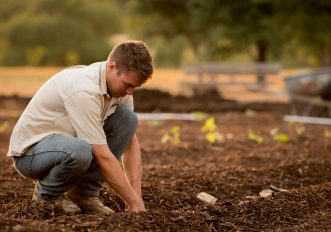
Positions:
(211, 132)
(252, 136)
(213, 137)
(173, 136)
(277, 136)
(198, 115)
(209, 125)
(298, 128)
(281, 138)
(154, 123)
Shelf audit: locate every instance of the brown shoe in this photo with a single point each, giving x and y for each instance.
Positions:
(68, 206)
(90, 204)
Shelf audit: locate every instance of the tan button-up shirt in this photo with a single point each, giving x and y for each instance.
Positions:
(73, 102)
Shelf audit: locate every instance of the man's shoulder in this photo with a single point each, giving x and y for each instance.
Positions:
(76, 67)
(79, 78)
(92, 69)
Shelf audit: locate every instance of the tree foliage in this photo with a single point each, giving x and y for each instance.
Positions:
(305, 25)
(262, 28)
(193, 19)
(51, 32)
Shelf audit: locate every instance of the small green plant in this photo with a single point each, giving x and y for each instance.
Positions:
(277, 136)
(211, 132)
(298, 128)
(173, 136)
(252, 136)
(154, 123)
(250, 113)
(198, 115)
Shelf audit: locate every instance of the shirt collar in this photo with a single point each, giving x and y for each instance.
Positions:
(102, 76)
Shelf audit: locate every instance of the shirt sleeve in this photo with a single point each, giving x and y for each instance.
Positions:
(84, 111)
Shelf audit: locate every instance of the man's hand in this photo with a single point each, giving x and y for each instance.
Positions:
(137, 207)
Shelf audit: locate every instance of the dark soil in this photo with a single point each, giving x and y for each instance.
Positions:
(234, 172)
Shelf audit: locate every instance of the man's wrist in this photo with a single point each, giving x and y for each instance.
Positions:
(136, 185)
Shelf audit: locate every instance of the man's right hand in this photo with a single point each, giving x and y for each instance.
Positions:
(114, 176)
(136, 206)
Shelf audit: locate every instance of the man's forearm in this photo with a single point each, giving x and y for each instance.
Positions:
(114, 176)
(132, 165)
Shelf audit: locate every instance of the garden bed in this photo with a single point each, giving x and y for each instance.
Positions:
(233, 170)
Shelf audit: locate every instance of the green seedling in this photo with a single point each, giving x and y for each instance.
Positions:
(173, 136)
(298, 128)
(199, 116)
(277, 136)
(154, 123)
(250, 113)
(281, 138)
(211, 132)
(209, 125)
(252, 136)
(213, 137)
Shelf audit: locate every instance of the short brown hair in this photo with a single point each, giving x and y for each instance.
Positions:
(133, 55)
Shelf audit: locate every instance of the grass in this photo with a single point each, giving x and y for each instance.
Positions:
(24, 81)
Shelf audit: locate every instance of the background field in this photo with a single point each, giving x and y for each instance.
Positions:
(25, 81)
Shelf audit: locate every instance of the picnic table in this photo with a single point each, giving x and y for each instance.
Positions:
(210, 75)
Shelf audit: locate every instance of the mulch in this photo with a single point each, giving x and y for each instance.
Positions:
(234, 171)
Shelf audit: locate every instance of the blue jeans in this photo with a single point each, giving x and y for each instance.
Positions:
(60, 163)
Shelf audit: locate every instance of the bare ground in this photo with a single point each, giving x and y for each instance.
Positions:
(234, 171)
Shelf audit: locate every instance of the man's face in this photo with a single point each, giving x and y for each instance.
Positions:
(120, 84)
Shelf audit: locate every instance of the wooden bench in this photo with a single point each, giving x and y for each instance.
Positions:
(208, 75)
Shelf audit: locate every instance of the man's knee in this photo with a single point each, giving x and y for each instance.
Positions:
(82, 153)
(123, 119)
(129, 117)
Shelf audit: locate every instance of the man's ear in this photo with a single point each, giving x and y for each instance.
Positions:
(111, 65)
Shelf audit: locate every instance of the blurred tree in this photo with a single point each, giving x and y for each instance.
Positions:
(193, 19)
(250, 26)
(169, 55)
(306, 27)
(215, 28)
(251, 23)
(51, 32)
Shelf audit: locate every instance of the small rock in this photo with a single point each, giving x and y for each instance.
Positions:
(252, 197)
(207, 198)
(179, 218)
(266, 193)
